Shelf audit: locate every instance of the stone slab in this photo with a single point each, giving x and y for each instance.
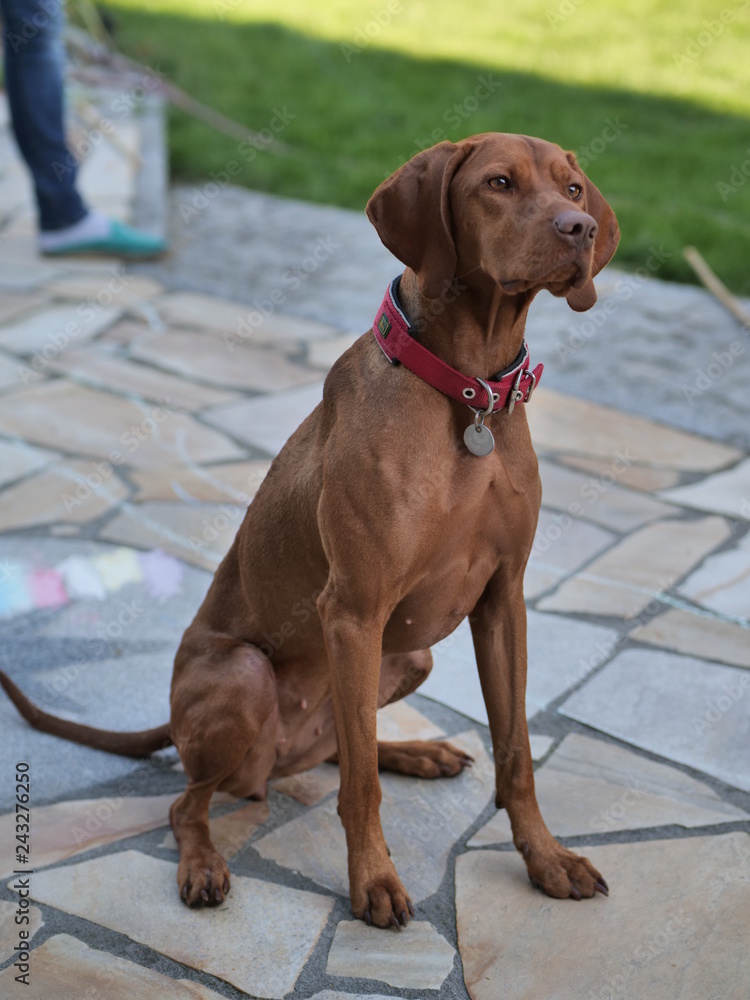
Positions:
(9, 928)
(637, 477)
(723, 493)
(258, 940)
(16, 305)
(57, 414)
(598, 498)
(683, 709)
(205, 359)
(311, 786)
(267, 423)
(68, 828)
(697, 635)
(53, 330)
(121, 375)
(539, 745)
(588, 786)
(236, 318)
(673, 926)
(335, 995)
(230, 832)
(562, 545)
(67, 969)
(199, 534)
(417, 958)
(73, 491)
(18, 459)
(578, 648)
(722, 583)
(564, 424)
(14, 373)
(402, 721)
(123, 288)
(20, 276)
(630, 575)
(233, 481)
(421, 821)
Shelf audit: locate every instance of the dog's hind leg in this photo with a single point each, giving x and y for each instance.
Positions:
(224, 725)
(400, 675)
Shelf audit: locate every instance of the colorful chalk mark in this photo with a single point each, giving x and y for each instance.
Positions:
(79, 578)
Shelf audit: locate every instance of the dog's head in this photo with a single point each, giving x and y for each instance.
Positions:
(510, 209)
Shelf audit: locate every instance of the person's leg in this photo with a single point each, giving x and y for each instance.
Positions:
(34, 62)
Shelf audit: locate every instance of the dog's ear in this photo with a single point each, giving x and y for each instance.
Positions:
(411, 213)
(605, 244)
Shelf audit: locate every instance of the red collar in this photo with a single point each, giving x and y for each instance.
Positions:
(396, 338)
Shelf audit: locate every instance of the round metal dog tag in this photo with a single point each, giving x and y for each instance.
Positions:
(478, 439)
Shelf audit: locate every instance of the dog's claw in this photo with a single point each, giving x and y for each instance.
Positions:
(185, 891)
(574, 893)
(225, 887)
(535, 882)
(411, 908)
(217, 895)
(204, 895)
(403, 918)
(394, 922)
(602, 887)
(368, 918)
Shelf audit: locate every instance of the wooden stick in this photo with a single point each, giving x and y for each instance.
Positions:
(716, 286)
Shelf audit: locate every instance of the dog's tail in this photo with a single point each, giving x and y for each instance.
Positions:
(126, 744)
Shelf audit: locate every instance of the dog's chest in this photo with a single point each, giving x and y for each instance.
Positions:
(491, 527)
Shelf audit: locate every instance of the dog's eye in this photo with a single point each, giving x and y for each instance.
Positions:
(575, 191)
(499, 183)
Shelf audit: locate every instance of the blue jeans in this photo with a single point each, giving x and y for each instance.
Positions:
(34, 63)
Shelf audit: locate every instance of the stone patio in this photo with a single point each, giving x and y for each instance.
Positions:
(137, 420)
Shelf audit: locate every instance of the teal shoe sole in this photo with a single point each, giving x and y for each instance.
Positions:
(122, 241)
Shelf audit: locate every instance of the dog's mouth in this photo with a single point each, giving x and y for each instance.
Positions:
(559, 279)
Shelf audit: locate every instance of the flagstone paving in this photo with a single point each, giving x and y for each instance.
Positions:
(648, 940)
(137, 421)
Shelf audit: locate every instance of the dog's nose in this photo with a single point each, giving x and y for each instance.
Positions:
(577, 228)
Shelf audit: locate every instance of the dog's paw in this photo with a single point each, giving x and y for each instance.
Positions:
(564, 874)
(203, 880)
(382, 900)
(423, 758)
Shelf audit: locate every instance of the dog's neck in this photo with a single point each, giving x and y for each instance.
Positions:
(478, 332)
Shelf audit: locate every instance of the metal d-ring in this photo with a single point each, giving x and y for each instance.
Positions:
(491, 399)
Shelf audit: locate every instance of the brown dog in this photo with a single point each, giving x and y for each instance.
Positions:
(377, 511)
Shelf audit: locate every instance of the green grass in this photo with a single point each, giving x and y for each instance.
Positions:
(683, 98)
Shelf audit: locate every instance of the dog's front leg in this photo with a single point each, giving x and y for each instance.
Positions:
(498, 625)
(353, 644)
